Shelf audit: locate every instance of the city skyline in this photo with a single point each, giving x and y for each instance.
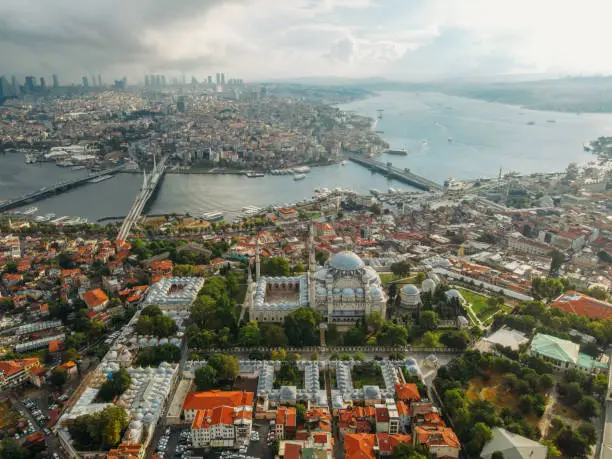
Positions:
(261, 40)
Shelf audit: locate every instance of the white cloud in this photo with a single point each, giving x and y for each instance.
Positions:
(282, 38)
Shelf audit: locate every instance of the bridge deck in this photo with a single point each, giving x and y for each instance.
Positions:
(397, 173)
(39, 194)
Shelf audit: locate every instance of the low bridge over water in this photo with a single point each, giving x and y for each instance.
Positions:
(401, 175)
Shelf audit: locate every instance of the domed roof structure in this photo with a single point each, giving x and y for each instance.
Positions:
(346, 261)
(410, 289)
(428, 285)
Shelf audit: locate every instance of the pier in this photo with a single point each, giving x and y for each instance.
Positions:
(57, 188)
(149, 185)
(401, 175)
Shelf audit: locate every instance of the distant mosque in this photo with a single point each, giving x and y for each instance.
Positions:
(343, 291)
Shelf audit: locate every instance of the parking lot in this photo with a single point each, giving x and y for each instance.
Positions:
(174, 442)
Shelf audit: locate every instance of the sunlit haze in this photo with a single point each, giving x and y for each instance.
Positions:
(266, 39)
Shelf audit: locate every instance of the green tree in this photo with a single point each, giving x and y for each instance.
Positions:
(571, 443)
(588, 432)
(115, 385)
(301, 327)
(10, 449)
(300, 413)
(275, 266)
(58, 378)
(588, 408)
(99, 431)
(457, 339)
(250, 335)
(298, 268)
(557, 260)
(151, 311)
(407, 451)
(420, 277)
(354, 337)
(274, 335)
(401, 268)
(598, 292)
(429, 320)
(205, 377)
(227, 366)
(374, 321)
(392, 335)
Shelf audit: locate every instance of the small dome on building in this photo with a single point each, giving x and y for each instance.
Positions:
(348, 292)
(428, 285)
(410, 289)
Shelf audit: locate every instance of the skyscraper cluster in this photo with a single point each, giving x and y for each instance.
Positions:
(155, 81)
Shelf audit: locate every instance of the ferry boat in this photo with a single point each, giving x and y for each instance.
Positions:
(393, 191)
(212, 216)
(301, 169)
(253, 174)
(78, 168)
(374, 192)
(100, 179)
(299, 177)
(30, 211)
(401, 152)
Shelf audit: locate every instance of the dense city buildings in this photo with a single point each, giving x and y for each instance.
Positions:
(444, 322)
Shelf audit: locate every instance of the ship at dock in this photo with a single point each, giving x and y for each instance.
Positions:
(212, 216)
(299, 177)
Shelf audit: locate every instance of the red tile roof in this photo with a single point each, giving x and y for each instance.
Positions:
(407, 391)
(386, 442)
(95, 298)
(583, 305)
(437, 436)
(214, 398)
(293, 451)
(359, 446)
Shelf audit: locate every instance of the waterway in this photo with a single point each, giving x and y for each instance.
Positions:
(484, 137)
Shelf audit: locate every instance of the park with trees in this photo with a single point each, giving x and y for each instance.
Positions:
(481, 391)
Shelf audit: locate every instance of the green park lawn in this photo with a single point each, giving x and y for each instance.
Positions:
(480, 307)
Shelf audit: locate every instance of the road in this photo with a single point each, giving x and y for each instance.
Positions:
(53, 445)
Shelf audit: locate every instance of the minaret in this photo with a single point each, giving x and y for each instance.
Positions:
(257, 261)
(312, 264)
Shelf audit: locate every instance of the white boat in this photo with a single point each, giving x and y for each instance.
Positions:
(100, 179)
(392, 190)
(212, 216)
(30, 211)
(344, 162)
(253, 174)
(39, 219)
(301, 169)
(49, 216)
(78, 168)
(59, 220)
(374, 192)
(299, 176)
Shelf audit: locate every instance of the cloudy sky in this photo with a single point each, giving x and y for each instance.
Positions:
(262, 39)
